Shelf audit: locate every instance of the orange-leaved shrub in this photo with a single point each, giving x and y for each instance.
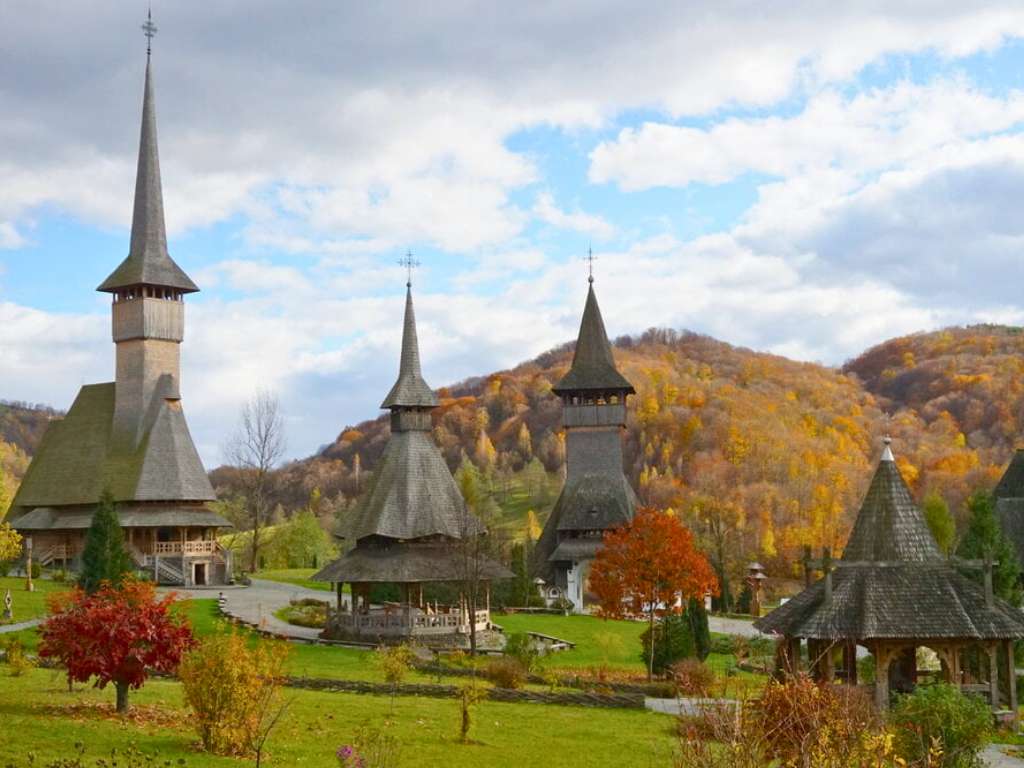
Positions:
(507, 673)
(234, 690)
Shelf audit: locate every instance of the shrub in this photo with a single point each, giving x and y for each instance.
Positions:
(797, 715)
(723, 645)
(59, 575)
(118, 635)
(469, 694)
(305, 613)
(674, 640)
(233, 690)
(37, 571)
(506, 673)
(15, 656)
(521, 647)
(692, 677)
(941, 715)
(798, 724)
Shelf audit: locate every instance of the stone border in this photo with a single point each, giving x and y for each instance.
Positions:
(507, 695)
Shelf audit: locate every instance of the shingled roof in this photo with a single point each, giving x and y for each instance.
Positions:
(893, 582)
(148, 261)
(1011, 485)
(593, 365)
(1009, 495)
(889, 526)
(404, 562)
(412, 494)
(78, 457)
(410, 390)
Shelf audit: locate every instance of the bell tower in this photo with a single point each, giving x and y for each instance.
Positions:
(148, 288)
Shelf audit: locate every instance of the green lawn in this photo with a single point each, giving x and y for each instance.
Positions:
(40, 716)
(599, 642)
(29, 605)
(300, 577)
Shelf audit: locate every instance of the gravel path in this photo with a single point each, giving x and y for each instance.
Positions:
(994, 757)
(727, 626)
(257, 603)
(20, 626)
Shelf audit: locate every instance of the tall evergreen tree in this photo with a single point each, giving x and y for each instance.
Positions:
(105, 557)
(984, 537)
(940, 521)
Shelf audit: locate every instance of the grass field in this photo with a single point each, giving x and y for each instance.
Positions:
(29, 605)
(300, 577)
(40, 716)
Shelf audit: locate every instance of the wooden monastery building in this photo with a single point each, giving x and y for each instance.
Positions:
(892, 592)
(410, 528)
(130, 435)
(596, 496)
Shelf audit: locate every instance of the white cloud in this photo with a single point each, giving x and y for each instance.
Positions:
(547, 211)
(862, 133)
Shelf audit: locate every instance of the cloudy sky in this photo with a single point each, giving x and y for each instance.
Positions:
(784, 176)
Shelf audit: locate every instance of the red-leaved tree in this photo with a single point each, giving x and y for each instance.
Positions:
(119, 634)
(649, 567)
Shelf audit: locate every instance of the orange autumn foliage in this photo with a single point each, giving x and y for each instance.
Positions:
(648, 567)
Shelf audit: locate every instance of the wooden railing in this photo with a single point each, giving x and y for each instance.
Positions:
(395, 621)
(188, 548)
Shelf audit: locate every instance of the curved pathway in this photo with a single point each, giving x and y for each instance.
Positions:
(255, 605)
(5, 628)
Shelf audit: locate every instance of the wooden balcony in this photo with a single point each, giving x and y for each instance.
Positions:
(186, 548)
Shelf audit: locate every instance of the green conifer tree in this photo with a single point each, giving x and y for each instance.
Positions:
(105, 557)
(984, 537)
(940, 521)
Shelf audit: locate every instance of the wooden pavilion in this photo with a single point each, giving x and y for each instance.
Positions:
(892, 592)
(411, 528)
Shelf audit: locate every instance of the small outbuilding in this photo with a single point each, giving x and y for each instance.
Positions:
(893, 592)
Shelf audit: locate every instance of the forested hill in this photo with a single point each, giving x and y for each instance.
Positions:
(21, 428)
(760, 453)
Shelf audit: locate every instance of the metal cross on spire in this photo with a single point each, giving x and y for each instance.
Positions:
(149, 30)
(410, 264)
(590, 258)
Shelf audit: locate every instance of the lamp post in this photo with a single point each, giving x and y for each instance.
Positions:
(29, 586)
(755, 578)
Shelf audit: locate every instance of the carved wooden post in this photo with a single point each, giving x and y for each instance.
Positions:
(29, 586)
(993, 674)
(883, 656)
(1011, 671)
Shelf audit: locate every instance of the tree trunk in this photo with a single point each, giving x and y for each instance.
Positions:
(650, 660)
(122, 697)
(472, 624)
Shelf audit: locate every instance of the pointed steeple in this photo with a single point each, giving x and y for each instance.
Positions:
(889, 526)
(148, 261)
(410, 390)
(593, 365)
(1011, 486)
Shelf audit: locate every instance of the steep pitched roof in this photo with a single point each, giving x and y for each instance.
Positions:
(592, 501)
(902, 601)
(78, 456)
(412, 495)
(148, 261)
(403, 562)
(593, 365)
(1011, 486)
(410, 390)
(893, 582)
(889, 526)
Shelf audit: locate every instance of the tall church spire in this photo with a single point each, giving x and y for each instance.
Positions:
(148, 262)
(410, 390)
(593, 366)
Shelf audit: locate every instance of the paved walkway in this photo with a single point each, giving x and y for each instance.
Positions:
(726, 626)
(994, 757)
(5, 628)
(257, 603)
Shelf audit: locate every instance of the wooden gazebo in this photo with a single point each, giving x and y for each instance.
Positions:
(892, 592)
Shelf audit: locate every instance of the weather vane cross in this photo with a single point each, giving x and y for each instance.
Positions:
(149, 30)
(410, 264)
(590, 258)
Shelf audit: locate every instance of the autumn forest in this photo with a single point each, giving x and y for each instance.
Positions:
(758, 454)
